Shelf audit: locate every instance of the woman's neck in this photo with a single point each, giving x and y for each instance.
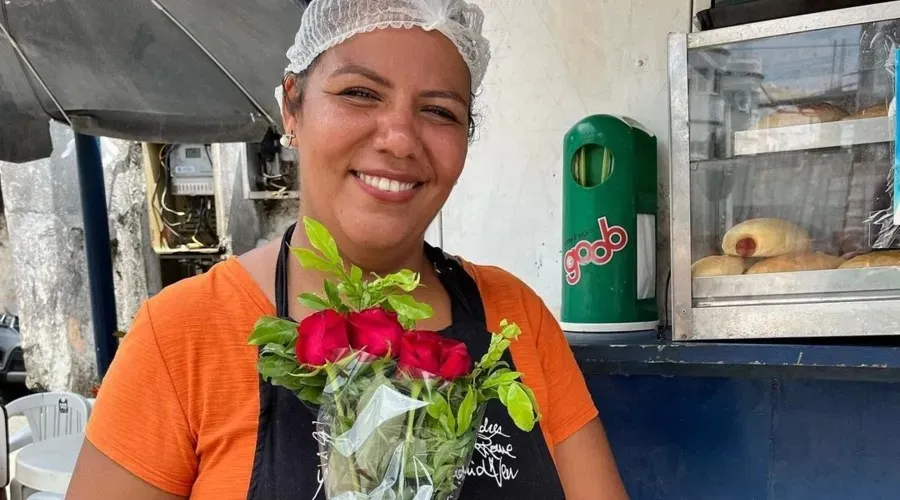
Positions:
(381, 262)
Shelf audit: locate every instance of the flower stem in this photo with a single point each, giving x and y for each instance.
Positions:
(410, 419)
(339, 408)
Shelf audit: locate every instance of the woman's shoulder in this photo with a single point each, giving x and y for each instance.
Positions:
(219, 294)
(506, 296)
(218, 308)
(498, 284)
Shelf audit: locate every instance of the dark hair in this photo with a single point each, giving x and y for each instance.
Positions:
(294, 101)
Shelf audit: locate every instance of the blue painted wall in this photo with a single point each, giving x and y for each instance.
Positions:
(697, 438)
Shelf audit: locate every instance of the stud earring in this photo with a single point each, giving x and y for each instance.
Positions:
(286, 140)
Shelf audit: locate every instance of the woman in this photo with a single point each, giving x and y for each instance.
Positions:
(377, 100)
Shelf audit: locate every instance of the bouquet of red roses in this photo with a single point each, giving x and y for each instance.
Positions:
(398, 408)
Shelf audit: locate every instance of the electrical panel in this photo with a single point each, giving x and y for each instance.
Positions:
(191, 170)
(181, 195)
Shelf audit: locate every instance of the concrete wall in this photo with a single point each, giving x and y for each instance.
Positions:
(555, 62)
(8, 303)
(46, 237)
(247, 223)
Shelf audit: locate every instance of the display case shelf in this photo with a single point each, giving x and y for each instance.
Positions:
(813, 136)
(840, 282)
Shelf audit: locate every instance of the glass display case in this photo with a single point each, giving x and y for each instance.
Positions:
(782, 186)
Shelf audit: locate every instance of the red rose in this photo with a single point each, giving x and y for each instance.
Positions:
(375, 331)
(420, 353)
(428, 353)
(455, 360)
(321, 337)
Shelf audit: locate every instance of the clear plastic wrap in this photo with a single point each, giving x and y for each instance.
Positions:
(381, 436)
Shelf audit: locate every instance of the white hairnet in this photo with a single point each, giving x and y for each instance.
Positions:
(327, 23)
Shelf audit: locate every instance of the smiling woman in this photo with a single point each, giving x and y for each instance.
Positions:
(377, 100)
(366, 125)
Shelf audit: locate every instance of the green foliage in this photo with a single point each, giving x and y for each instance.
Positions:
(348, 291)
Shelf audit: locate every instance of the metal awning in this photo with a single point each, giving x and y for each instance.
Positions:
(187, 71)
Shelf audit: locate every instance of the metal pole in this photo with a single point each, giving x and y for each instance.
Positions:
(97, 249)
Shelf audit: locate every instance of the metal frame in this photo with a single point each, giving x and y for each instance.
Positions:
(797, 24)
(680, 187)
(766, 306)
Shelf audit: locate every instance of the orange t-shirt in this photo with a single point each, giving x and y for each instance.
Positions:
(180, 405)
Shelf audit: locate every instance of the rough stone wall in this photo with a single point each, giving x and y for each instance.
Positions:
(8, 303)
(135, 264)
(46, 235)
(47, 239)
(276, 216)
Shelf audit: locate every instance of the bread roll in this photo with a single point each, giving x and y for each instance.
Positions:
(874, 259)
(873, 112)
(807, 261)
(719, 265)
(765, 238)
(801, 115)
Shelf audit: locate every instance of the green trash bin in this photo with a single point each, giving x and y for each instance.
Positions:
(609, 227)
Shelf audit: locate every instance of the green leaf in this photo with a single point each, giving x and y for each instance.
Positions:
(534, 403)
(416, 459)
(448, 423)
(495, 351)
(321, 240)
(510, 331)
(407, 306)
(502, 376)
(278, 350)
(440, 410)
(465, 413)
(404, 279)
(312, 301)
(437, 406)
(519, 407)
(365, 300)
(311, 394)
(503, 393)
(355, 274)
(311, 260)
(406, 323)
(306, 374)
(272, 330)
(275, 367)
(301, 378)
(334, 297)
(443, 472)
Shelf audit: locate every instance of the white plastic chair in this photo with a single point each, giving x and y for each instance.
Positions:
(49, 415)
(4, 453)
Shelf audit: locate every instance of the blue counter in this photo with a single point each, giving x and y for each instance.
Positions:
(751, 421)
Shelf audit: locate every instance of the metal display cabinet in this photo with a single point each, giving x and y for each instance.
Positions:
(789, 120)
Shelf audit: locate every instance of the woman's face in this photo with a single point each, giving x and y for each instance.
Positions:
(382, 136)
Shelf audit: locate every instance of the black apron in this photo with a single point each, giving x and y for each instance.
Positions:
(507, 464)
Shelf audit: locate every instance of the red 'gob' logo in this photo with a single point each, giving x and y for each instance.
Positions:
(612, 239)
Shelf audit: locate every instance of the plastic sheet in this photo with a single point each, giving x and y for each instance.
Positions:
(127, 70)
(379, 441)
